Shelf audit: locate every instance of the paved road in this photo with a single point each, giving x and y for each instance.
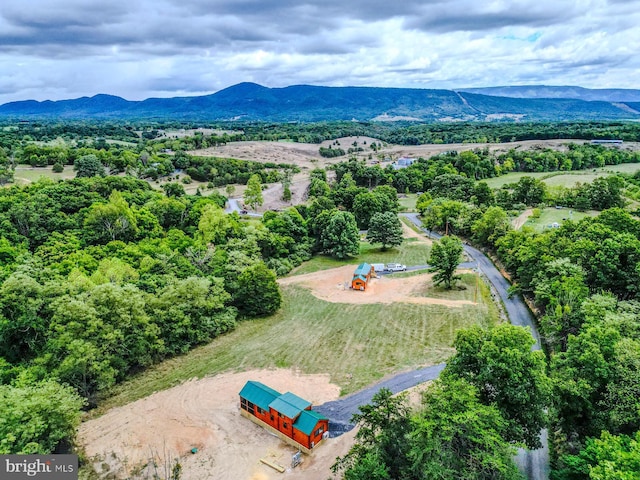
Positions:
(340, 411)
(233, 205)
(533, 463)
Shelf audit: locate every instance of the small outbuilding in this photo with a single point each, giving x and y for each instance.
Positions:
(361, 276)
(287, 415)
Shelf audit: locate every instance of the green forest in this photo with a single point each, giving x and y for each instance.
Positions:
(103, 275)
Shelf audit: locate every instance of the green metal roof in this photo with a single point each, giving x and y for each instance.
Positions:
(295, 400)
(363, 269)
(285, 408)
(307, 421)
(259, 394)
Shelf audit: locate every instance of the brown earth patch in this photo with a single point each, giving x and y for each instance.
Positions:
(204, 414)
(333, 286)
(521, 219)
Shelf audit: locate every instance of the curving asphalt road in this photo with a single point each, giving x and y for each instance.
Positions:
(233, 205)
(533, 463)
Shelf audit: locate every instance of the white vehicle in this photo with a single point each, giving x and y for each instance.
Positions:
(378, 267)
(395, 267)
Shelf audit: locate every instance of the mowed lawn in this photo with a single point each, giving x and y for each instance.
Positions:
(411, 252)
(553, 215)
(24, 175)
(355, 344)
(566, 179)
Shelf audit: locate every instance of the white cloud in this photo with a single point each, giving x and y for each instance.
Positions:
(54, 49)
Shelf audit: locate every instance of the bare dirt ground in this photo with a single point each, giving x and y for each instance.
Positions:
(521, 219)
(307, 157)
(409, 232)
(204, 414)
(333, 286)
(304, 155)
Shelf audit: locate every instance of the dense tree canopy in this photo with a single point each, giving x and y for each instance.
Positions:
(38, 417)
(88, 166)
(508, 375)
(341, 237)
(452, 435)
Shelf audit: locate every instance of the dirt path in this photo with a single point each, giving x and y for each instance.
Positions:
(521, 219)
(409, 232)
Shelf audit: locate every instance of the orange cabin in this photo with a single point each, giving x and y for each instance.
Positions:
(361, 276)
(287, 413)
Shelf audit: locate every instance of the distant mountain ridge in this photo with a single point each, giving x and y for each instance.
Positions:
(544, 91)
(253, 102)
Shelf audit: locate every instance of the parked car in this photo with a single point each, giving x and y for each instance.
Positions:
(243, 212)
(396, 267)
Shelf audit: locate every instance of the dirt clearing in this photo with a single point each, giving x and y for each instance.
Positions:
(333, 286)
(204, 414)
(521, 219)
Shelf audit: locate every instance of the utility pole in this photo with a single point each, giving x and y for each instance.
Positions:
(475, 292)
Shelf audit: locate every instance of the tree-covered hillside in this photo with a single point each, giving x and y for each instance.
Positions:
(306, 103)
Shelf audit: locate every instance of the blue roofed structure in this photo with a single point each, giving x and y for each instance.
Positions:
(308, 420)
(288, 415)
(290, 405)
(363, 269)
(259, 394)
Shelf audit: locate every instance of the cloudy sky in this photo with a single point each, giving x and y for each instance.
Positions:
(60, 49)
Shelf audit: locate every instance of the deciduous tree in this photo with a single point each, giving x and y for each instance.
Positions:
(508, 375)
(385, 228)
(38, 417)
(456, 436)
(341, 237)
(258, 293)
(444, 259)
(253, 193)
(88, 166)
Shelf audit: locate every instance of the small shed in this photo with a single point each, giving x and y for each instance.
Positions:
(361, 276)
(287, 415)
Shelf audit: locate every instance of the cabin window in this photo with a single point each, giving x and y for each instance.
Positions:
(318, 431)
(285, 425)
(272, 418)
(243, 403)
(260, 411)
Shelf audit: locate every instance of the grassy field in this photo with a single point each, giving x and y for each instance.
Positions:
(513, 177)
(554, 215)
(356, 344)
(411, 252)
(25, 175)
(408, 202)
(567, 179)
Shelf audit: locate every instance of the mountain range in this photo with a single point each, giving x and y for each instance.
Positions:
(253, 102)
